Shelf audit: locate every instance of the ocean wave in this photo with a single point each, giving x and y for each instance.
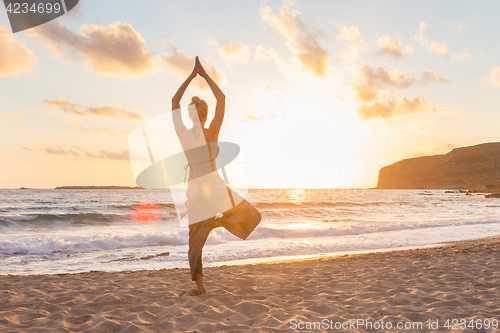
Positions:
(56, 220)
(312, 204)
(19, 217)
(342, 229)
(49, 243)
(36, 217)
(263, 205)
(6, 223)
(144, 206)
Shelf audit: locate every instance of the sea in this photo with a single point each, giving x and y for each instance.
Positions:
(52, 231)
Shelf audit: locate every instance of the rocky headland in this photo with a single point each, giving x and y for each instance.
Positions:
(474, 168)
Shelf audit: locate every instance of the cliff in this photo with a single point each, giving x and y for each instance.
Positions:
(474, 167)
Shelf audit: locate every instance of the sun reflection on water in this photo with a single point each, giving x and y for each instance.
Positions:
(297, 195)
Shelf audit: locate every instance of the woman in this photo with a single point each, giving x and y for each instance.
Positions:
(210, 203)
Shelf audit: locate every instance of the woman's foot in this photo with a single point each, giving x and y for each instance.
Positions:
(201, 286)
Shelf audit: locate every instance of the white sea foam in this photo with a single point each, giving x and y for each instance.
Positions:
(104, 240)
(47, 244)
(19, 217)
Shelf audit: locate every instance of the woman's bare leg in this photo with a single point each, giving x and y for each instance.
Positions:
(198, 234)
(201, 286)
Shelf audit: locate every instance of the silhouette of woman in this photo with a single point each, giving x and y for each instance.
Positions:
(210, 203)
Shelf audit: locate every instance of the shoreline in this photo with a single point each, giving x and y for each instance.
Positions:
(281, 259)
(458, 280)
(285, 259)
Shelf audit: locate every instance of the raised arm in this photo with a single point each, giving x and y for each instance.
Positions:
(219, 95)
(176, 102)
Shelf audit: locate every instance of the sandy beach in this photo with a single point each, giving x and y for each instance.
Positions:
(458, 281)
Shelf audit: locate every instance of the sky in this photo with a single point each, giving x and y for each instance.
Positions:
(319, 94)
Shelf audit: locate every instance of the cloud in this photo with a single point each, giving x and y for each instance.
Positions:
(433, 148)
(393, 48)
(247, 116)
(270, 55)
(15, 57)
(116, 49)
(460, 27)
(352, 37)
(56, 150)
(234, 51)
(279, 93)
(303, 43)
(183, 65)
(378, 103)
(381, 77)
(397, 105)
(429, 76)
(250, 117)
(364, 93)
(430, 46)
(263, 54)
(105, 131)
(123, 155)
(269, 93)
(15, 116)
(494, 78)
(376, 79)
(439, 48)
(79, 152)
(465, 55)
(108, 111)
(233, 48)
(97, 131)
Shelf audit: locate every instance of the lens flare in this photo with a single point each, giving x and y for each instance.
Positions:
(146, 212)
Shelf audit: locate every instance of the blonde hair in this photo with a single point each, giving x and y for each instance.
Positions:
(201, 107)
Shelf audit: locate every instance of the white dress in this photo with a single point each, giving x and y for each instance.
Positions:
(207, 195)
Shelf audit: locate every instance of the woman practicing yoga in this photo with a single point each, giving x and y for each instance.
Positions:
(210, 203)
